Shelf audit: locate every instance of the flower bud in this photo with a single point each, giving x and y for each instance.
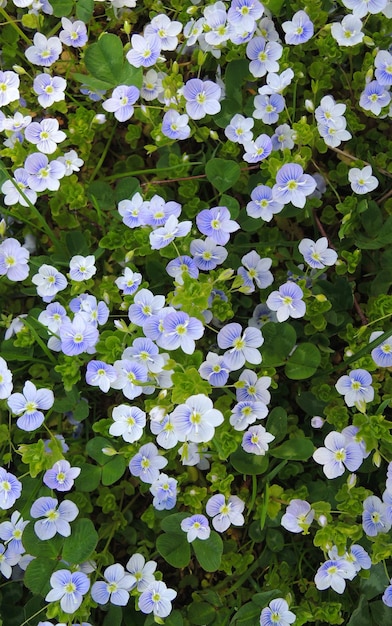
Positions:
(19, 69)
(377, 458)
(309, 106)
(109, 451)
(351, 481)
(322, 520)
(127, 27)
(100, 118)
(317, 421)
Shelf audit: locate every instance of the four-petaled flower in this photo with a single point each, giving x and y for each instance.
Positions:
(69, 588)
(196, 527)
(225, 513)
(356, 388)
(28, 406)
(277, 614)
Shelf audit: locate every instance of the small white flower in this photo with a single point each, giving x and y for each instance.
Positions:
(362, 180)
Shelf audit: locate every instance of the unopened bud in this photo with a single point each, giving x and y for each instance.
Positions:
(225, 275)
(162, 394)
(129, 256)
(317, 421)
(127, 27)
(100, 118)
(175, 67)
(121, 325)
(214, 135)
(377, 458)
(157, 414)
(309, 106)
(109, 451)
(351, 481)
(19, 69)
(322, 520)
(3, 227)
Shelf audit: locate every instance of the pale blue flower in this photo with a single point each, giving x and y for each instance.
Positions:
(207, 254)
(129, 282)
(255, 270)
(10, 489)
(6, 384)
(43, 174)
(56, 517)
(246, 412)
(130, 210)
(292, 185)
(239, 129)
(287, 302)
(333, 573)
(145, 50)
(78, 336)
(156, 212)
(29, 406)
(157, 599)
(299, 30)
(180, 331)
(92, 311)
(164, 490)
(329, 112)
(145, 351)
(143, 572)
(196, 420)
(69, 588)
(261, 315)
(283, 137)
(9, 87)
(356, 388)
(122, 100)
(116, 587)
(147, 463)
(360, 8)
(347, 32)
(130, 375)
(45, 51)
(202, 98)
(166, 29)
(49, 89)
(277, 614)
(263, 56)
(383, 64)
(144, 306)
(316, 253)
(82, 267)
(13, 189)
(74, 33)
(240, 345)
(7, 560)
(387, 595)
(374, 97)
(61, 477)
(361, 180)
(263, 205)
(298, 516)
(244, 13)
(257, 150)
(382, 355)
(216, 224)
(374, 517)
(161, 237)
(13, 260)
(224, 513)
(175, 125)
(182, 265)
(267, 108)
(256, 439)
(337, 455)
(251, 388)
(129, 422)
(196, 527)
(215, 370)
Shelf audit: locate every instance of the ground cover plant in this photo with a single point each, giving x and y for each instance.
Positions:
(195, 282)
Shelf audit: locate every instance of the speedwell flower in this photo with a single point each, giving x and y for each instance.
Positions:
(225, 513)
(292, 185)
(61, 477)
(10, 489)
(277, 614)
(338, 454)
(362, 180)
(240, 345)
(28, 406)
(287, 302)
(69, 588)
(56, 517)
(356, 388)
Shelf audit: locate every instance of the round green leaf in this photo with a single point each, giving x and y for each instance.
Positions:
(38, 574)
(299, 449)
(279, 340)
(80, 545)
(303, 362)
(114, 470)
(222, 173)
(277, 423)
(174, 548)
(172, 523)
(248, 464)
(209, 552)
(49, 549)
(105, 58)
(201, 613)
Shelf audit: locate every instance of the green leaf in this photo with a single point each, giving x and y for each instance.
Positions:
(361, 616)
(113, 470)
(172, 523)
(209, 552)
(279, 340)
(277, 423)
(174, 619)
(62, 8)
(49, 549)
(94, 449)
(222, 173)
(376, 583)
(303, 362)
(76, 243)
(105, 58)
(174, 548)
(201, 613)
(80, 545)
(84, 10)
(264, 598)
(38, 574)
(89, 477)
(114, 616)
(92, 83)
(247, 615)
(248, 464)
(296, 449)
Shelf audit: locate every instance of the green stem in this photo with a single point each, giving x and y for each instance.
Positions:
(147, 171)
(103, 155)
(15, 26)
